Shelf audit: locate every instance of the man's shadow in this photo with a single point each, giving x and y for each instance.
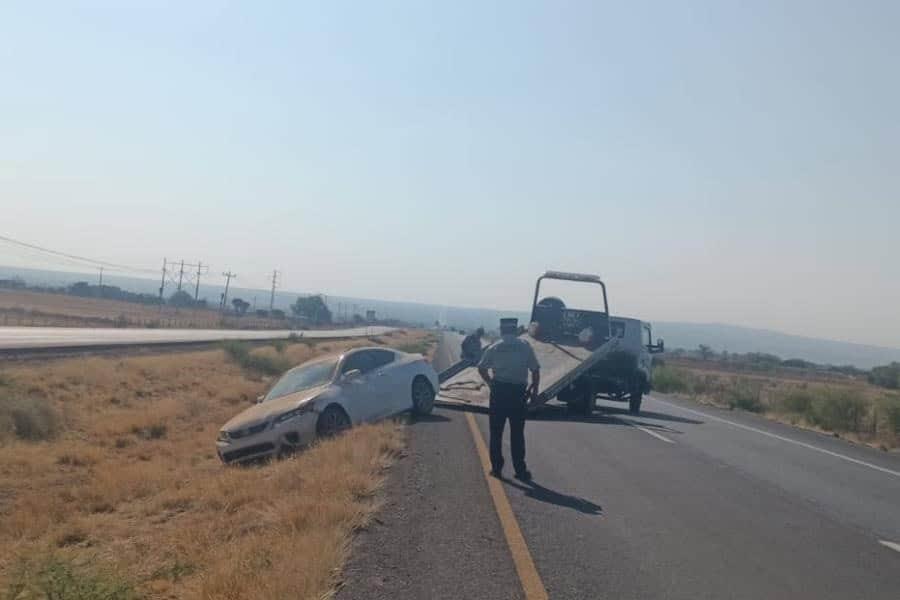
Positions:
(538, 492)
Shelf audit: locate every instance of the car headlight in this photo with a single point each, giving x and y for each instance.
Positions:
(300, 410)
(223, 436)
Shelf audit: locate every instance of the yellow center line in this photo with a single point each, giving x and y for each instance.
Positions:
(528, 575)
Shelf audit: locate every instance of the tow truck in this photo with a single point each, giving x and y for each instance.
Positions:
(579, 351)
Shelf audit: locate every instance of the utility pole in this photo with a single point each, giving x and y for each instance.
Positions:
(228, 277)
(181, 275)
(162, 285)
(197, 286)
(274, 284)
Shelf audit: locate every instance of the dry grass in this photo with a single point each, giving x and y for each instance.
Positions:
(27, 308)
(130, 494)
(842, 405)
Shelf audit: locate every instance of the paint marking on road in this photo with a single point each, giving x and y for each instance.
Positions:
(644, 429)
(528, 575)
(891, 545)
(784, 439)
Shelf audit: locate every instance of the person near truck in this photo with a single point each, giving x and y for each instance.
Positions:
(504, 366)
(471, 346)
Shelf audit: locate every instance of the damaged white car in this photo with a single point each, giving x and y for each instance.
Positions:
(326, 395)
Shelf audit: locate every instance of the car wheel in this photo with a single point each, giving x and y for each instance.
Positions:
(422, 396)
(634, 403)
(332, 421)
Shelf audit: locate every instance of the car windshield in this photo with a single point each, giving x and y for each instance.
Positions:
(302, 378)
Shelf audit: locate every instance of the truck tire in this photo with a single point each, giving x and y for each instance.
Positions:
(634, 402)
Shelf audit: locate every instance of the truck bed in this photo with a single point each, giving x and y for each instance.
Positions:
(560, 365)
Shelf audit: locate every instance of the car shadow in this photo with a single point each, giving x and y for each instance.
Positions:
(536, 491)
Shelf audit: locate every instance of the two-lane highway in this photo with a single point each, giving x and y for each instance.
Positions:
(681, 501)
(21, 338)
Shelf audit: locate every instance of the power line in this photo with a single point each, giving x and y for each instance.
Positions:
(95, 262)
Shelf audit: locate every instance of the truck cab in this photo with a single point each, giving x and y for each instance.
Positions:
(627, 374)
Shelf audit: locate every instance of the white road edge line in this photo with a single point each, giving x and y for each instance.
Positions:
(645, 430)
(783, 439)
(890, 545)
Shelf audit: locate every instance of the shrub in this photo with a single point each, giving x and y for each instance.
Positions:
(671, 380)
(891, 407)
(886, 376)
(279, 346)
(32, 419)
(795, 401)
(743, 395)
(56, 578)
(240, 353)
(838, 410)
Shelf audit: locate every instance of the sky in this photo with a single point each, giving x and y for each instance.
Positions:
(733, 162)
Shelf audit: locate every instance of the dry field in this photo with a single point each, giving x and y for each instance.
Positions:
(842, 405)
(25, 308)
(110, 487)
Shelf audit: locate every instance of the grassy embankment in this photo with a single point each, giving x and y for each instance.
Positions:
(846, 407)
(110, 487)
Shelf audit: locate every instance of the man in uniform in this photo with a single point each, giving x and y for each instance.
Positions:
(504, 367)
(471, 346)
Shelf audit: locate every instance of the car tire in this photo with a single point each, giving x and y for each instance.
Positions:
(634, 403)
(332, 421)
(422, 396)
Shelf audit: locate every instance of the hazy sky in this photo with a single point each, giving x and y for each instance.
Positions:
(720, 161)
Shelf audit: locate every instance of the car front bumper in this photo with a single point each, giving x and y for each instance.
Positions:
(276, 438)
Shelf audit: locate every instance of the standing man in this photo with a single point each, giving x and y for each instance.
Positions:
(471, 346)
(504, 367)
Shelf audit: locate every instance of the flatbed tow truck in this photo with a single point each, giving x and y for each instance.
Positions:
(568, 343)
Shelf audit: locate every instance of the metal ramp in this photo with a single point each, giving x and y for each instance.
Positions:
(461, 385)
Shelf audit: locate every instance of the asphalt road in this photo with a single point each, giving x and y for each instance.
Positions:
(681, 501)
(12, 338)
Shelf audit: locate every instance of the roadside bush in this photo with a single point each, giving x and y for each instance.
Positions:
(795, 401)
(743, 395)
(891, 407)
(671, 380)
(56, 578)
(279, 346)
(31, 419)
(240, 353)
(838, 410)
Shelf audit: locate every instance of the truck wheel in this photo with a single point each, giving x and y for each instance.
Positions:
(634, 403)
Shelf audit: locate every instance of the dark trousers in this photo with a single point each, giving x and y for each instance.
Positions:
(508, 401)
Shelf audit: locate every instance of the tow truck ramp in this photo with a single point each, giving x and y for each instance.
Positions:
(561, 364)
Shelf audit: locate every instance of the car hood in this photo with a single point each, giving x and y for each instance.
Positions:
(264, 411)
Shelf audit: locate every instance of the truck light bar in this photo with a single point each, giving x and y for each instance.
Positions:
(573, 276)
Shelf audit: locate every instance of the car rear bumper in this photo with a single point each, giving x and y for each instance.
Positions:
(294, 433)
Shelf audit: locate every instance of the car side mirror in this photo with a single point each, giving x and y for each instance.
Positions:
(658, 348)
(351, 375)
(260, 398)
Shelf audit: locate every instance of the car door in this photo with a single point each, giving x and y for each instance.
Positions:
(358, 393)
(392, 383)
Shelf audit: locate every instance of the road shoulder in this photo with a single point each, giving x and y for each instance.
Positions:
(437, 534)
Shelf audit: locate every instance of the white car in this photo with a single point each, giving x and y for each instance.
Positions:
(326, 395)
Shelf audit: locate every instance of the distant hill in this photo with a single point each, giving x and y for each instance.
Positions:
(676, 334)
(734, 338)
